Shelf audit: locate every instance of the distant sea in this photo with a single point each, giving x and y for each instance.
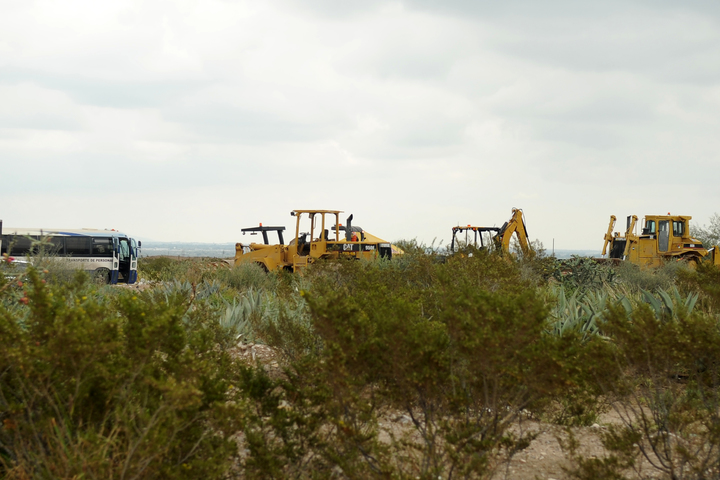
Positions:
(227, 250)
(579, 253)
(187, 249)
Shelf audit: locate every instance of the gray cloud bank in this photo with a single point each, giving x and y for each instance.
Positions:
(194, 119)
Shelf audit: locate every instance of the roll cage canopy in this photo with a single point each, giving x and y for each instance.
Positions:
(264, 231)
(477, 231)
(323, 225)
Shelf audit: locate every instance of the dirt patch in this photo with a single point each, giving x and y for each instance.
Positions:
(254, 353)
(544, 458)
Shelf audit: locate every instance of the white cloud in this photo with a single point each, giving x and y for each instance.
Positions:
(27, 106)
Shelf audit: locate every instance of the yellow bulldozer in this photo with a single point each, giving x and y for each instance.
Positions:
(318, 234)
(662, 238)
(497, 237)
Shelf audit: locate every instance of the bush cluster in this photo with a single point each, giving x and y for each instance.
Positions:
(123, 385)
(420, 367)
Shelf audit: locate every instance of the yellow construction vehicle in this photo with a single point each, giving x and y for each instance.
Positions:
(500, 237)
(662, 238)
(515, 225)
(319, 238)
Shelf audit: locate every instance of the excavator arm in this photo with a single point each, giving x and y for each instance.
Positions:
(515, 225)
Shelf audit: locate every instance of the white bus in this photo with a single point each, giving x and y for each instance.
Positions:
(108, 255)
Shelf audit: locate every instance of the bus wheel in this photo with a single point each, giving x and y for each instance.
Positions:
(101, 276)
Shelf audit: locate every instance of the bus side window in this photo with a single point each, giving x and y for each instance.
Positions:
(102, 247)
(57, 246)
(77, 246)
(16, 245)
(48, 246)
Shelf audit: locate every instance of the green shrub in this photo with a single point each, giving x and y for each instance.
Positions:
(124, 386)
(665, 375)
(411, 368)
(167, 269)
(158, 268)
(456, 347)
(413, 247)
(247, 276)
(705, 279)
(650, 279)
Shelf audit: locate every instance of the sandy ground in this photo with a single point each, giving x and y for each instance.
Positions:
(544, 458)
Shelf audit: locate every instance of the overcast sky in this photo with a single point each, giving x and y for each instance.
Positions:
(189, 120)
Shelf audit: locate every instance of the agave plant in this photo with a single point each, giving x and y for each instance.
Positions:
(584, 311)
(579, 311)
(670, 304)
(204, 290)
(239, 314)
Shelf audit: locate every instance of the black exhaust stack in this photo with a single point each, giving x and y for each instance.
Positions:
(348, 228)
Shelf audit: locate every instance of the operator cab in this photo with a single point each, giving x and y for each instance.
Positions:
(312, 229)
(678, 228)
(649, 228)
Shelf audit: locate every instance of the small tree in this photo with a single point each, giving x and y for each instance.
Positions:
(710, 235)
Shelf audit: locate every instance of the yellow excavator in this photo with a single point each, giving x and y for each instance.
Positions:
(662, 238)
(500, 237)
(322, 236)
